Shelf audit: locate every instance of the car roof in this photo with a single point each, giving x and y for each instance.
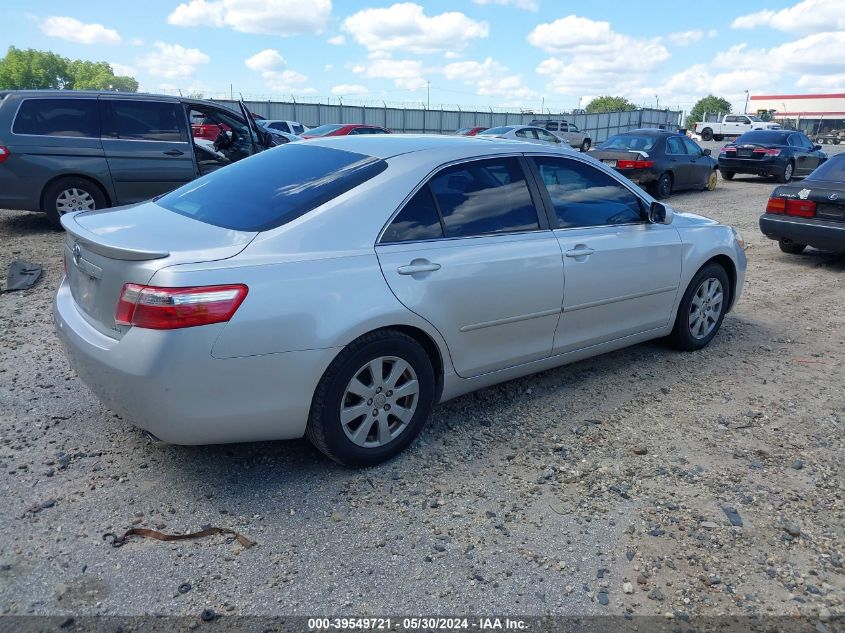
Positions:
(649, 131)
(113, 94)
(389, 145)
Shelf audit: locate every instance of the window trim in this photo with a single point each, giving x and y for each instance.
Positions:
(547, 199)
(51, 97)
(530, 181)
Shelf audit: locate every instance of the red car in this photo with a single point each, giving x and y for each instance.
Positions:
(469, 131)
(337, 129)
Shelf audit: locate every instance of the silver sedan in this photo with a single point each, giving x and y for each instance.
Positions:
(341, 288)
(527, 133)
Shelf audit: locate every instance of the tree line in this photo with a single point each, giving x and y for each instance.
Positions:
(23, 69)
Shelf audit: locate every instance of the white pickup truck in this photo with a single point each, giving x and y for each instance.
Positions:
(732, 125)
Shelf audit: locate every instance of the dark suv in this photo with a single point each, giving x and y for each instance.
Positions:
(68, 150)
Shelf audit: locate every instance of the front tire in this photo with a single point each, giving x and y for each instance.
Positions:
(373, 400)
(585, 146)
(787, 174)
(72, 194)
(702, 309)
(712, 181)
(791, 247)
(707, 134)
(663, 186)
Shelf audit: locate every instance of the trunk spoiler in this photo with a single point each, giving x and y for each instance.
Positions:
(99, 244)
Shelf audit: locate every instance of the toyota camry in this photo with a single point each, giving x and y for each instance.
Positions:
(341, 288)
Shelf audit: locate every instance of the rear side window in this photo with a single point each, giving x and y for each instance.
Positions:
(674, 145)
(58, 117)
(272, 188)
(144, 120)
(584, 196)
(483, 197)
(418, 220)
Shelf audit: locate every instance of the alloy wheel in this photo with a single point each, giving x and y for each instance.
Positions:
(379, 401)
(74, 199)
(706, 308)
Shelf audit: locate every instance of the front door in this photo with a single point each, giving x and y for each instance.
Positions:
(470, 254)
(147, 147)
(621, 273)
(679, 162)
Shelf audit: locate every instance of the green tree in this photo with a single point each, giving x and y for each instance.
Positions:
(711, 104)
(609, 104)
(33, 69)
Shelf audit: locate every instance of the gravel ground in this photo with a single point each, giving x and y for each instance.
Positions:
(604, 487)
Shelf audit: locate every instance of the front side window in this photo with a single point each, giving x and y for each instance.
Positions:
(692, 148)
(484, 197)
(273, 187)
(418, 220)
(573, 128)
(583, 196)
(281, 126)
(144, 120)
(58, 117)
(731, 119)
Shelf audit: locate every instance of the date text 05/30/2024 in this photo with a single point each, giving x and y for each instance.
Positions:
(416, 623)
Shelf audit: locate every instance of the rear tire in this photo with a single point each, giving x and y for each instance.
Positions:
(72, 193)
(727, 175)
(788, 171)
(702, 309)
(718, 137)
(791, 247)
(663, 186)
(707, 134)
(585, 146)
(358, 437)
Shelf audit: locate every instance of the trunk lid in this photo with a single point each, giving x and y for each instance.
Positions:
(105, 249)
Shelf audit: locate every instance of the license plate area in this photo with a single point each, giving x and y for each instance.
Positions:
(831, 211)
(608, 162)
(744, 153)
(84, 279)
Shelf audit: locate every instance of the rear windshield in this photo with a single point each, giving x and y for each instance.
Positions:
(765, 137)
(273, 187)
(629, 142)
(832, 169)
(323, 130)
(497, 130)
(58, 117)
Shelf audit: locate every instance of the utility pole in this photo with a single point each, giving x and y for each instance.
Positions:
(746, 103)
(656, 102)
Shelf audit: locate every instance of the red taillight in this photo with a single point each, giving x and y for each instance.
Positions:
(173, 308)
(4, 153)
(634, 164)
(799, 208)
(776, 205)
(767, 152)
(727, 148)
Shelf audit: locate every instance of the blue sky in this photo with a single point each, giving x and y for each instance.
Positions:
(468, 52)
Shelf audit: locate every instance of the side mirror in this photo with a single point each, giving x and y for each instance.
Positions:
(659, 214)
(817, 147)
(707, 151)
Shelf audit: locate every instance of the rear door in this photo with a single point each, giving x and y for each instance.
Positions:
(621, 273)
(470, 254)
(147, 146)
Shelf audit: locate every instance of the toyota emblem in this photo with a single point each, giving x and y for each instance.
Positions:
(77, 253)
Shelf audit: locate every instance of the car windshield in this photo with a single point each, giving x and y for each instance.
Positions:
(629, 142)
(273, 187)
(763, 137)
(493, 131)
(323, 130)
(832, 169)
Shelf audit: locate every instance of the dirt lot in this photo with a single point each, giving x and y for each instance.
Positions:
(598, 488)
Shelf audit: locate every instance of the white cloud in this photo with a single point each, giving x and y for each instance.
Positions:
(489, 78)
(350, 89)
(405, 27)
(591, 58)
(122, 70)
(172, 61)
(712, 33)
(277, 78)
(809, 16)
(685, 38)
(274, 17)
(528, 5)
(337, 40)
(817, 54)
(268, 59)
(814, 83)
(73, 30)
(405, 73)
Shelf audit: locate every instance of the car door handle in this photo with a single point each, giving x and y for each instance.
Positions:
(418, 266)
(579, 251)
(174, 152)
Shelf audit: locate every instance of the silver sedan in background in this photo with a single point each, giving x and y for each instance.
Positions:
(340, 288)
(527, 133)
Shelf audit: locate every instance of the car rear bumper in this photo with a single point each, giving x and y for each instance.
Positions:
(167, 382)
(639, 176)
(752, 166)
(824, 234)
